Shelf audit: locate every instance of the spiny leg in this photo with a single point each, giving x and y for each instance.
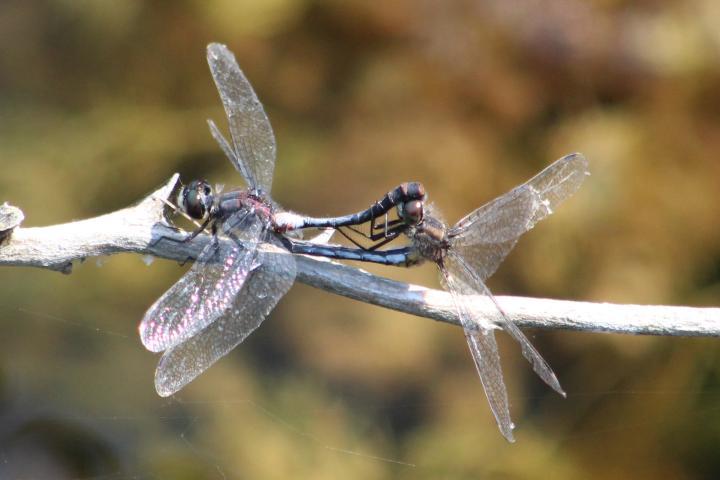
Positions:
(385, 238)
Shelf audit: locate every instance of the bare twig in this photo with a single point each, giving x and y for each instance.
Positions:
(143, 229)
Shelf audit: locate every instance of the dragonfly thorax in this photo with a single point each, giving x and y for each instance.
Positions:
(429, 238)
(196, 199)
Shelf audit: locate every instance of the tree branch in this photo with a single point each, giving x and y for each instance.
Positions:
(144, 229)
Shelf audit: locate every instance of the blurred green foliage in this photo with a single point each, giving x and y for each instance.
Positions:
(101, 101)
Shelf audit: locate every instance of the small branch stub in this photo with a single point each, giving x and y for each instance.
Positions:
(144, 229)
(10, 218)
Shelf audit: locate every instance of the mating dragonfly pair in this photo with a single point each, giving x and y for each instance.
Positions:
(234, 284)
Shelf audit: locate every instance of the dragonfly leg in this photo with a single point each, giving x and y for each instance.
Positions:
(385, 237)
(388, 236)
(199, 230)
(389, 229)
(356, 231)
(186, 239)
(352, 240)
(387, 224)
(374, 226)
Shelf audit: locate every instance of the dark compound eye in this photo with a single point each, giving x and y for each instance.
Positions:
(197, 199)
(411, 212)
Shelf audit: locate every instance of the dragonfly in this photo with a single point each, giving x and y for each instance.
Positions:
(467, 254)
(233, 285)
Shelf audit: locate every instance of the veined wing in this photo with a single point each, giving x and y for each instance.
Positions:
(253, 141)
(206, 290)
(266, 284)
(486, 235)
(467, 282)
(484, 351)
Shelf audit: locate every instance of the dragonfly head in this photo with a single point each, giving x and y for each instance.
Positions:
(196, 199)
(412, 212)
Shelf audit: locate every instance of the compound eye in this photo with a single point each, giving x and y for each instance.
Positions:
(412, 212)
(197, 199)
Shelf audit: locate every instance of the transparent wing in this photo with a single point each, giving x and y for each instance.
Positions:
(486, 235)
(230, 153)
(205, 291)
(252, 136)
(484, 351)
(264, 287)
(464, 280)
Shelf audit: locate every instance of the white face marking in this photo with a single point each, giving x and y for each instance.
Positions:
(179, 201)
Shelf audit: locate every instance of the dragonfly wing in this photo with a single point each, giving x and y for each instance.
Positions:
(271, 278)
(467, 282)
(252, 136)
(230, 153)
(204, 292)
(486, 235)
(484, 351)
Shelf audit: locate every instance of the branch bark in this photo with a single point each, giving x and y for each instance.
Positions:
(144, 229)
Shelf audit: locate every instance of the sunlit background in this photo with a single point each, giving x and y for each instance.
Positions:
(101, 101)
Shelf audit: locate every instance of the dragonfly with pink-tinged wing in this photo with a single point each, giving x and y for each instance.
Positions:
(233, 285)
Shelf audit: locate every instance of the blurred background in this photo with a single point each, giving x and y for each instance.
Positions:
(101, 101)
